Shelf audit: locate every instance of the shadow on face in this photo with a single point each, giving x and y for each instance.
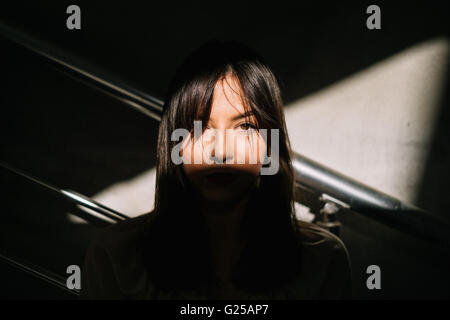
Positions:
(223, 163)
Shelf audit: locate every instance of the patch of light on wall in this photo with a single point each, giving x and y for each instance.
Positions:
(132, 197)
(376, 126)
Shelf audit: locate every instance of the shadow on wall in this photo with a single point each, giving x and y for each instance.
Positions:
(435, 187)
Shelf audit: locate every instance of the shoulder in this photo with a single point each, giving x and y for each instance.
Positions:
(326, 260)
(120, 241)
(121, 231)
(113, 266)
(313, 236)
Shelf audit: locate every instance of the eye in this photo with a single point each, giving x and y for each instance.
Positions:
(246, 126)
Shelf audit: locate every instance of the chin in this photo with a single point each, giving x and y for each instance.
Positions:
(220, 196)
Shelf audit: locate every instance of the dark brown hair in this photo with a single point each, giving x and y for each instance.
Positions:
(176, 248)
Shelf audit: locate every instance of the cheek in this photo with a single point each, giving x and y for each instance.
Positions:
(187, 150)
(194, 151)
(250, 150)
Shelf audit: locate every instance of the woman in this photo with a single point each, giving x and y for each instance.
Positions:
(224, 224)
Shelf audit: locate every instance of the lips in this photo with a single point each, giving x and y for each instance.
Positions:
(219, 178)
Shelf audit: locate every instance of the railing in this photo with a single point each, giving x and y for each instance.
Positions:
(39, 273)
(337, 192)
(322, 189)
(69, 195)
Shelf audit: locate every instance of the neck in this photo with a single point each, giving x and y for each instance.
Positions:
(223, 224)
(223, 220)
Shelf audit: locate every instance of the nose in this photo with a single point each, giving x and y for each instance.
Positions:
(221, 150)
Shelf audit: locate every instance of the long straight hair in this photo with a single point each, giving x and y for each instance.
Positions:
(174, 236)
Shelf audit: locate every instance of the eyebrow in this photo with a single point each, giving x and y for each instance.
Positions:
(243, 115)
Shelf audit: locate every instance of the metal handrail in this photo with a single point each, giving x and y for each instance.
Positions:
(42, 274)
(88, 74)
(360, 198)
(70, 195)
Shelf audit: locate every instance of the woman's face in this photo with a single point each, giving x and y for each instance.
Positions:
(229, 137)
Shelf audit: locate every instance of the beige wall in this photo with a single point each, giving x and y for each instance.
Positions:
(376, 125)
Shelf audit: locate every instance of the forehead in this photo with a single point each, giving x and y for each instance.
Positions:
(227, 99)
